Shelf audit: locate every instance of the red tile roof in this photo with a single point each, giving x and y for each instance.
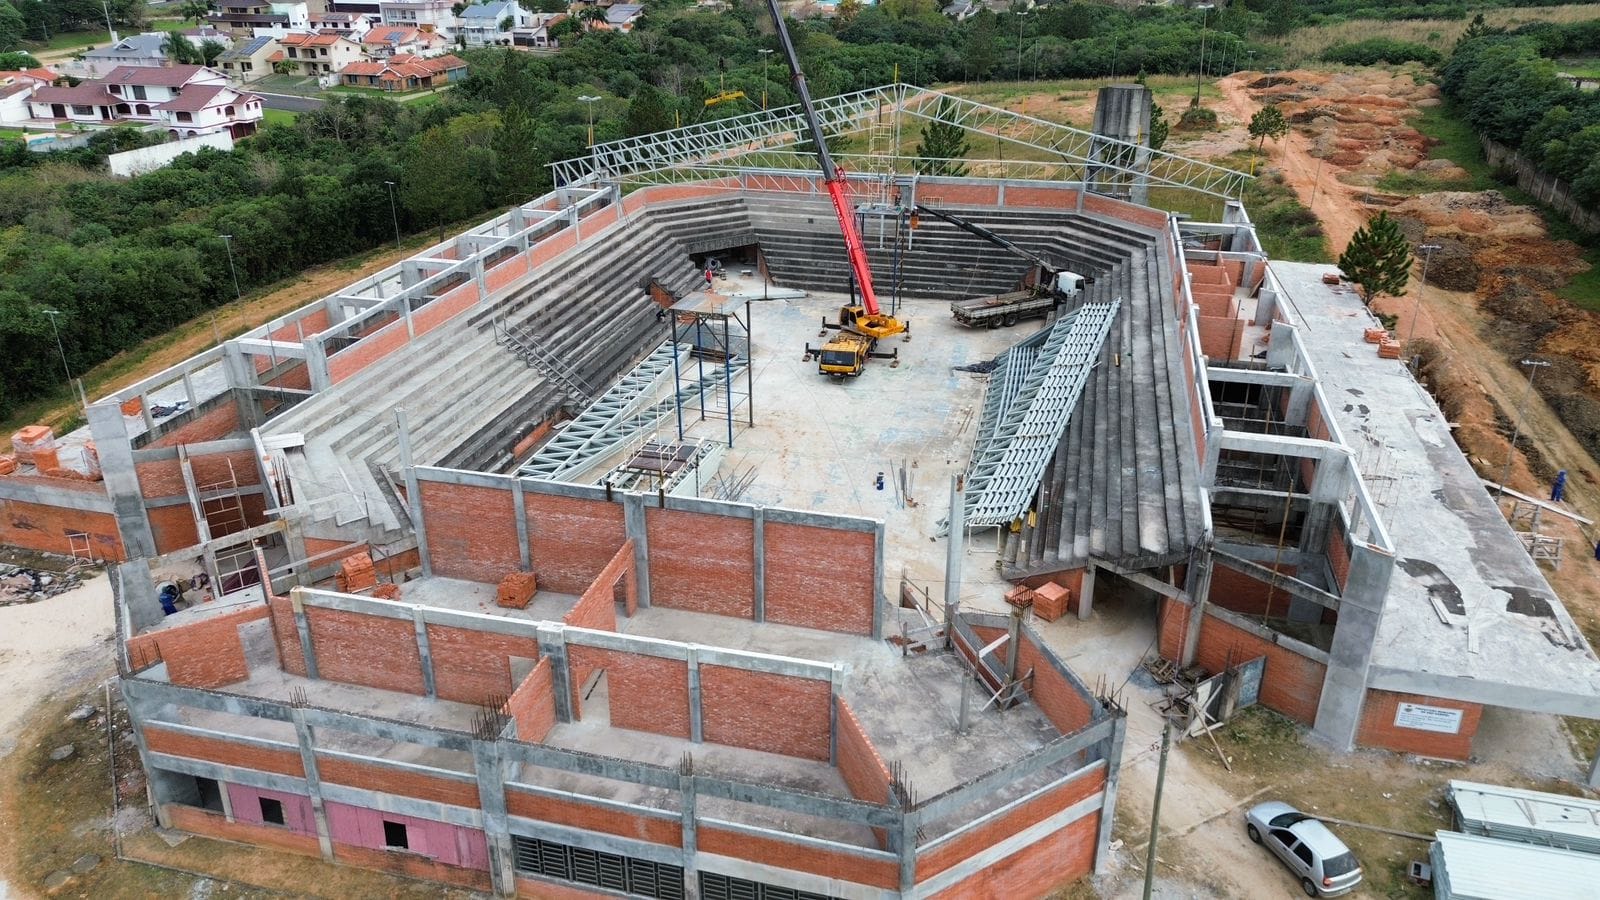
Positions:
(6, 90)
(197, 97)
(42, 75)
(321, 39)
(90, 93)
(390, 34)
(154, 76)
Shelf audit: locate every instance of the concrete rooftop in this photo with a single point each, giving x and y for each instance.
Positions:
(1508, 635)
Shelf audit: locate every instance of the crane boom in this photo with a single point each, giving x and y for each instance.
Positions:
(832, 175)
(991, 237)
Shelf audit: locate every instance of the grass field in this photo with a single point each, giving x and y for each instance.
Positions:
(278, 116)
(1586, 67)
(1306, 44)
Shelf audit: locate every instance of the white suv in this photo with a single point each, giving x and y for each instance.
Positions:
(1324, 865)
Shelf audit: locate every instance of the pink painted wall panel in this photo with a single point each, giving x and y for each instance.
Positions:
(246, 802)
(452, 845)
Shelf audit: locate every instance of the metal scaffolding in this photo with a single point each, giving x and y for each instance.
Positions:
(730, 146)
(705, 321)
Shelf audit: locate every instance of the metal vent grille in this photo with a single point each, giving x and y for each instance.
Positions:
(580, 865)
(724, 887)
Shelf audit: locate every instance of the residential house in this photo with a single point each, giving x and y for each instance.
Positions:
(386, 41)
(133, 50)
(623, 16)
(323, 53)
(41, 77)
(249, 18)
(14, 94)
(200, 35)
(187, 100)
(428, 16)
(536, 34)
(481, 22)
(405, 72)
(371, 10)
(347, 24)
(249, 60)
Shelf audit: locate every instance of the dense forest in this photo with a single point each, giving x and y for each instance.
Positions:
(1506, 86)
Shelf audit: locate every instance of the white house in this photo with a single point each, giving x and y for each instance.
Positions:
(324, 53)
(536, 34)
(133, 50)
(386, 41)
(251, 18)
(14, 94)
(623, 16)
(187, 100)
(480, 22)
(436, 16)
(347, 24)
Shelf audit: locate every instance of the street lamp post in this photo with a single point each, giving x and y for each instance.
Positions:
(394, 216)
(766, 55)
(227, 241)
(52, 313)
(589, 102)
(1533, 365)
(1205, 21)
(1020, 16)
(1416, 305)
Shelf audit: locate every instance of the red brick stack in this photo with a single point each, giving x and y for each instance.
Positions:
(386, 591)
(30, 440)
(1376, 335)
(516, 590)
(8, 464)
(1020, 596)
(1330, 277)
(356, 574)
(1389, 350)
(1050, 601)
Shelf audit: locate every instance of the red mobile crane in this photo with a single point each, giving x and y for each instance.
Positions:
(860, 326)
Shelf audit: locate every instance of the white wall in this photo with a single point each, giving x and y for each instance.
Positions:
(148, 159)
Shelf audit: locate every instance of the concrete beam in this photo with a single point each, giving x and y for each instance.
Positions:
(1290, 585)
(1245, 623)
(274, 349)
(1284, 445)
(1255, 376)
(1548, 698)
(61, 498)
(110, 432)
(985, 785)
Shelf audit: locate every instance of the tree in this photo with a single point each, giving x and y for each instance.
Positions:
(980, 50)
(508, 23)
(590, 16)
(283, 67)
(195, 10)
(12, 26)
(1268, 122)
(942, 143)
(210, 50)
(180, 49)
(16, 60)
(1378, 258)
(647, 112)
(1281, 17)
(847, 11)
(449, 169)
(1158, 127)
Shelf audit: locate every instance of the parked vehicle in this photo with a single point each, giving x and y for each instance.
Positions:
(1007, 309)
(1324, 865)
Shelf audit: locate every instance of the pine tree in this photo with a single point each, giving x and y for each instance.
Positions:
(1378, 258)
(647, 112)
(1159, 129)
(941, 145)
(1268, 122)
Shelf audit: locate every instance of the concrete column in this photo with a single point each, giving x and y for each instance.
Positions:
(424, 652)
(1199, 591)
(302, 625)
(188, 391)
(759, 567)
(836, 683)
(954, 551)
(410, 274)
(1111, 750)
(633, 521)
(1594, 771)
(1086, 594)
(317, 365)
(696, 708)
(490, 771)
(479, 277)
(553, 644)
(413, 491)
(110, 434)
(1344, 690)
(227, 801)
(137, 712)
(137, 591)
(308, 760)
(688, 797)
(524, 549)
(904, 842)
(880, 602)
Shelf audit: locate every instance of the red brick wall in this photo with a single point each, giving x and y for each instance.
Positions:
(214, 424)
(533, 704)
(368, 350)
(1221, 338)
(231, 753)
(764, 711)
(860, 765)
(1051, 198)
(1377, 727)
(1291, 684)
(932, 862)
(572, 539)
(597, 607)
(206, 653)
(1174, 626)
(648, 693)
(701, 562)
(1338, 556)
(1245, 594)
(1055, 696)
(472, 666)
(210, 824)
(820, 577)
(392, 780)
(173, 527)
(160, 478)
(959, 194)
(1038, 870)
(594, 818)
(375, 651)
(447, 307)
(286, 635)
(786, 855)
(35, 526)
(532, 438)
(472, 531)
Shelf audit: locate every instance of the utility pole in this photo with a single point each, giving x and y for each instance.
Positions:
(1155, 812)
(394, 215)
(1416, 305)
(53, 313)
(227, 241)
(1020, 16)
(1534, 365)
(1199, 75)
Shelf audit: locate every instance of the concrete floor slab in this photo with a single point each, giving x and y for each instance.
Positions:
(470, 596)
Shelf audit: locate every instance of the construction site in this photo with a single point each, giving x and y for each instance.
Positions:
(715, 526)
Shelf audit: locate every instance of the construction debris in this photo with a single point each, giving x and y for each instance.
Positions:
(24, 585)
(387, 591)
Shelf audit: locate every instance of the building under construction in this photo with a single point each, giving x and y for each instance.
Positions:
(530, 563)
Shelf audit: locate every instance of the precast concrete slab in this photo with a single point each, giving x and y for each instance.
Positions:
(471, 596)
(1467, 614)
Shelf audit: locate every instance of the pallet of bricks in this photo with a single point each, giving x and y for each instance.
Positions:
(356, 574)
(1388, 347)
